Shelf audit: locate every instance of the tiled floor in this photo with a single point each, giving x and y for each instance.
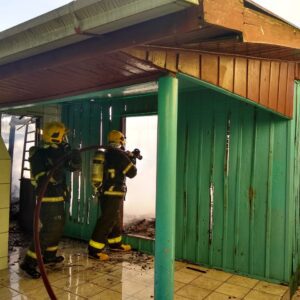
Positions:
(128, 276)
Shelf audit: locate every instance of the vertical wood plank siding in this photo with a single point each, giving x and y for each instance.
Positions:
(83, 120)
(238, 166)
(247, 155)
(293, 212)
(88, 123)
(268, 83)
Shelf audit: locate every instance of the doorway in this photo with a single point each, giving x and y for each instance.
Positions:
(139, 207)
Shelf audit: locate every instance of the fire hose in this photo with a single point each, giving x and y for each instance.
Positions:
(36, 221)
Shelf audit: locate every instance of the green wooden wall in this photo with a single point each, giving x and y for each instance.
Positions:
(236, 190)
(89, 121)
(296, 190)
(238, 180)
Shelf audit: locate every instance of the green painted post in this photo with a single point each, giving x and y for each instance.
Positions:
(166, 188)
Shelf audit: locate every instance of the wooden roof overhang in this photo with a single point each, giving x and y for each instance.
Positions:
(266, 83)
(194, 41)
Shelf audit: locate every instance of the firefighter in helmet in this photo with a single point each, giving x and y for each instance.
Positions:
(52, 152)
(118, 165)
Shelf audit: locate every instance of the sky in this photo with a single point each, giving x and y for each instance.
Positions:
(286, 9)
(13, 12)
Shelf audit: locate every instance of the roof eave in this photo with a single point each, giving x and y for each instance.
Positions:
(63, 26)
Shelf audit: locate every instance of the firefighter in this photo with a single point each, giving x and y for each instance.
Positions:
(118, 164)
(52, 152)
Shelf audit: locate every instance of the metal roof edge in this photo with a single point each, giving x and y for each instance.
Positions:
(63, 25)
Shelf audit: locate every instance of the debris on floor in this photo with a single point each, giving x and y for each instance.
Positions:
(17, 237)
(141, 227)
(127, 275)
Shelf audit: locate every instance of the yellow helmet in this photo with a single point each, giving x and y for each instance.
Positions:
(116, 137)
(54, 132)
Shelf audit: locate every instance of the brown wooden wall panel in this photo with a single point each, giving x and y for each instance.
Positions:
(282, 84)
(240, 77)
(290, 90)
(264, 83)
(253, 80)
(158, 58)
(210, 68)
(274, 79)
(171, 63)
(226, 72)
(189, 63)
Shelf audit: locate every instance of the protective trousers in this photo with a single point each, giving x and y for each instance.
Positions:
(52, 219)
(109, 225)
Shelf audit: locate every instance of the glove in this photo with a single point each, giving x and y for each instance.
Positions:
(131, 157)
(75, 160)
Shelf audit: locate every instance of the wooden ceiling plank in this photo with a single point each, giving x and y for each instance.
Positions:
(136, 52)
(144, 65)
(129, 63)
(35, 98)
(63, 78)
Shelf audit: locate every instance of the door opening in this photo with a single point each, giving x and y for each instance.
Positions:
(139, 207)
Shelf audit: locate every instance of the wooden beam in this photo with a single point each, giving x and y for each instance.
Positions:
(260, 28)
(255, 26)
(227, 13)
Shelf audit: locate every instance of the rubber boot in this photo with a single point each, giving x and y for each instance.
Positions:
(120, 247)
(30, 269)
(99, 256)
(53, 260)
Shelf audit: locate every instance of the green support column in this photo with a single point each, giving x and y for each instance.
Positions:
(166, 188)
